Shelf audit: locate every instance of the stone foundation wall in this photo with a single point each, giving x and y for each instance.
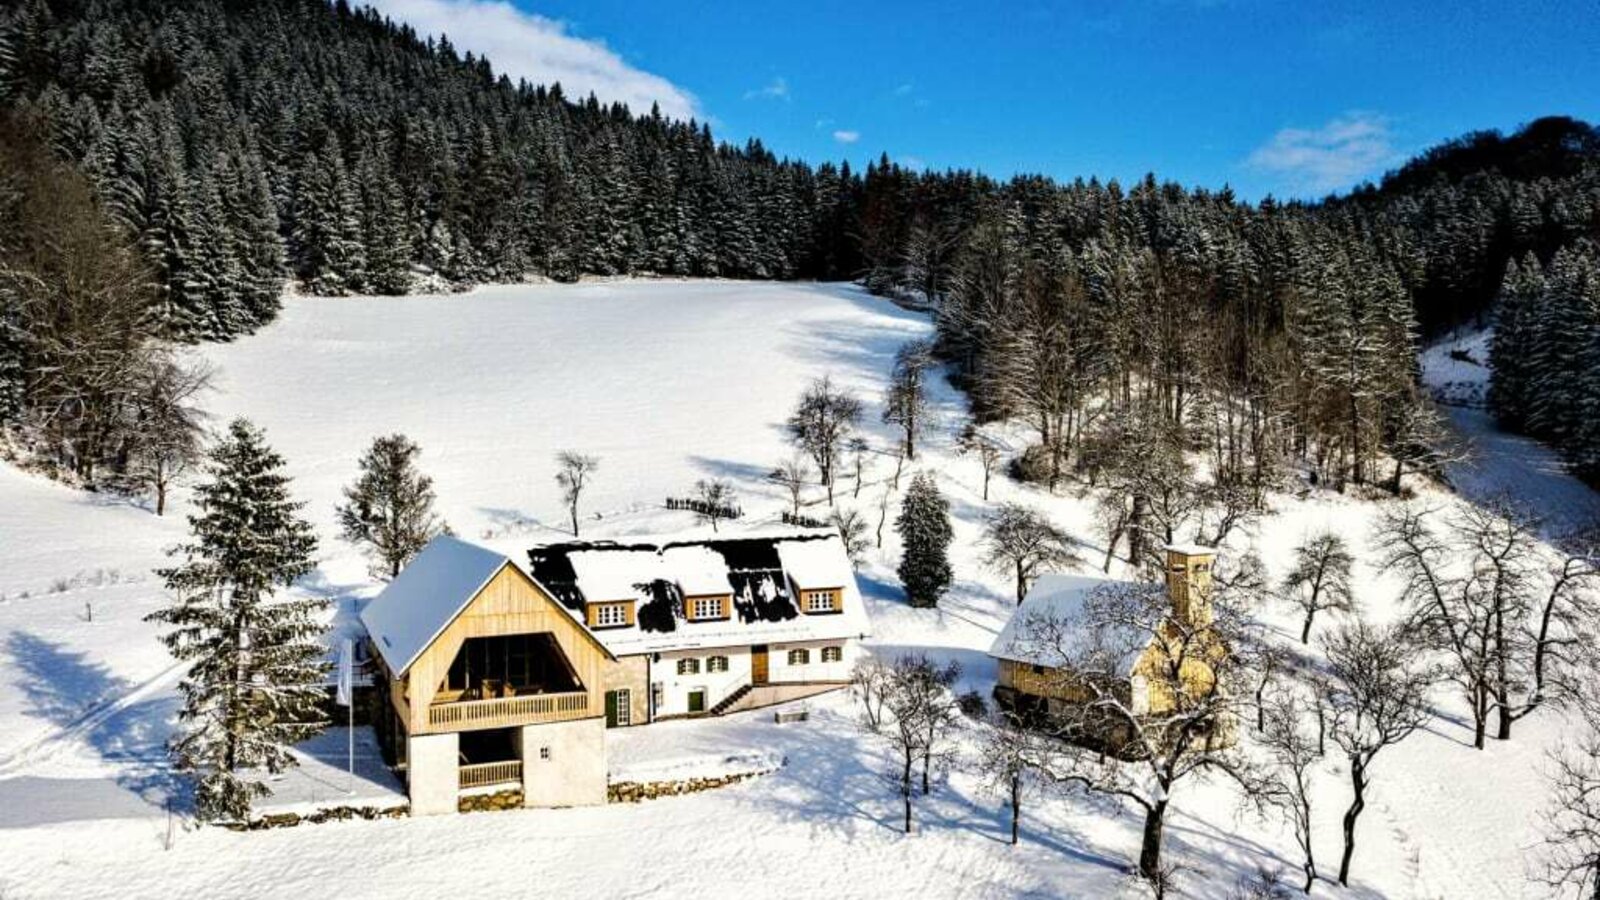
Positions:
(331, 814)
(636, 791)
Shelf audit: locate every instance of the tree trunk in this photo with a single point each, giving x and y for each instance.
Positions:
(1305, 631)
(1150, 848)
(1358, 782)
(905, 789)
(1136, 528)
(1016, 808)
(927, 763)
(574, 512)
(161, 498)
(1022, 583)
(1309, 866)
(1480, 715)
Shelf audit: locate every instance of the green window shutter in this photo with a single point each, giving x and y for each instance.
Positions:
(611, 709)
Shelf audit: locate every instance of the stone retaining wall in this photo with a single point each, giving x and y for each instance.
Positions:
(331, 814)
(636, 791)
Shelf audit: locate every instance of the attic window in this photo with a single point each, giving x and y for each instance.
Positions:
(708, 608)
(610, 615)
(818, 601)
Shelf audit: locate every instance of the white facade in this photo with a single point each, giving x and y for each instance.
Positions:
(433, 773)
(672, 689)
(564, 763)
(780, 669)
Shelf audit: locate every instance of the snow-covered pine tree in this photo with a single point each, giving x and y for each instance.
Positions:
(1510, 345)
(254, 686)
(12, 365)
(389, 509)
(925, 534)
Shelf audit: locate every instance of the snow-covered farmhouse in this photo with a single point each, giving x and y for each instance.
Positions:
(1054, 622)
(489, 677)
(712, 626)
(482, 679)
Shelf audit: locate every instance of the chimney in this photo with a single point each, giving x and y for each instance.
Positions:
(1189, 582)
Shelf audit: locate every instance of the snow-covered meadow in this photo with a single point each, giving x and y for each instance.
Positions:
(667, 382)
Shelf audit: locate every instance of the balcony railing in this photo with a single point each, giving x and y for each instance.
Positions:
(529, 710)
(485, 774)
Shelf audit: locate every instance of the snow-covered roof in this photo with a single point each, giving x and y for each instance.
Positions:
(1051, 625)
(700, 571)
(754, 568)
(816, 564)
(615, 573)
(426, 597)
(1192, 549)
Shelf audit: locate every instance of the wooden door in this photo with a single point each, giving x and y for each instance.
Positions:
(758, 664)
(697, 700)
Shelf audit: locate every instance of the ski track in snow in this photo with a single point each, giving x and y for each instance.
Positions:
(667, 382)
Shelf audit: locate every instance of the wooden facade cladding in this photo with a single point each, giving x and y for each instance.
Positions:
(723, 604)
(594, 612)
(509, 604)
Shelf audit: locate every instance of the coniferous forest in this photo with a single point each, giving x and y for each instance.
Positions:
(224, 148)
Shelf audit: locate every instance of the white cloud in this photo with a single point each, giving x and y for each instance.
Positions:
(1341, 153)
(777, 90)
(904, 89)
(914, 163)
(524, 45)
(845, 136)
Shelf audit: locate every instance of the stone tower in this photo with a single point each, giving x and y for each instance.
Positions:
(1189, 582)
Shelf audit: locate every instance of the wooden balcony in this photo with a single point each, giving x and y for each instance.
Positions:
(486, 774)
(501, 712)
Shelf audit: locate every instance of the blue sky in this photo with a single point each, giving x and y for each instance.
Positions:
(1291, 98)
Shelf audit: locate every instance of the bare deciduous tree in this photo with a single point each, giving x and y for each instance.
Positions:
(822, 423)
(793, 474)
(716, 498)
(985, 448)
(573, 473)
(906, 401)
(917, 715)
(1295, 754)
(852, 528)
(167, 432)
(1320, 578)
(1011, 756)
(1377, 699)
(1570, 855)
(1021, 542)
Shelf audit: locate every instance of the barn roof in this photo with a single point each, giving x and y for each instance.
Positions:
(427, 595)
(1061, 601)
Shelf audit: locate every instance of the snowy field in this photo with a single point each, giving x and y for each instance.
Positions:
(667, 383)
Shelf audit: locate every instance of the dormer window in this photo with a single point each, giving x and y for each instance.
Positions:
(820, 601)
(611, 614)
(702, 608)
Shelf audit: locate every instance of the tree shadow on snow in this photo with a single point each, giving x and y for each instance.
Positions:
(81, 698)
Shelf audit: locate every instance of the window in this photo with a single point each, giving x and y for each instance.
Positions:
(544, 752)
(818, 601)
(707, 608)
(688, 666)
(832, 654)
(799, 657)
(610, 615)
(717, 664)
(619, 708)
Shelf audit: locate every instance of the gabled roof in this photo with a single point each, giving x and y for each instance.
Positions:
(428, 594)
(816, 564)
(753, 568)
(1061, 600)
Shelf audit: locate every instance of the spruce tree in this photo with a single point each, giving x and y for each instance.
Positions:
(925, 534)
(389, 509)
(254, 685)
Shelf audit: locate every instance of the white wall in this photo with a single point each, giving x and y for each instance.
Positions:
(432, 772)
(575, 772)
(676, 688)
(778, 667)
